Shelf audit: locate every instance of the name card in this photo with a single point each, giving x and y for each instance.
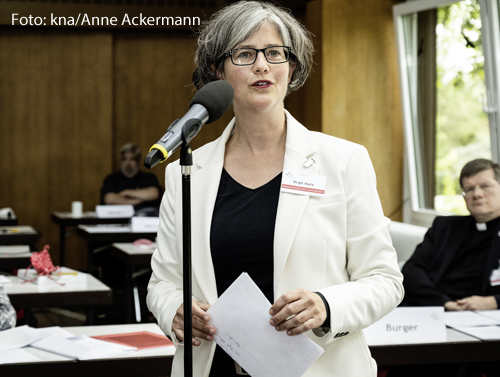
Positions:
(303, 184)
(407, 325)
(114, 211)
(145, 224)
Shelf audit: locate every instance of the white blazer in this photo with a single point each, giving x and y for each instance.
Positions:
(338, 245)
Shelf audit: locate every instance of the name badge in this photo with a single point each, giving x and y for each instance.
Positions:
(303, 184)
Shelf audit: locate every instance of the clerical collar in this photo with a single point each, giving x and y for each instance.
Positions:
(492, 224)
(481, 226)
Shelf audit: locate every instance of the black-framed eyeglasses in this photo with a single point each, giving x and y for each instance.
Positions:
(248, 56)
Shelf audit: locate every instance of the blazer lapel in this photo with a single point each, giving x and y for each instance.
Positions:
(205, 184)
(299, 148)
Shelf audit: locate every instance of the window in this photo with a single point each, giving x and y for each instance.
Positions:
(449, 55)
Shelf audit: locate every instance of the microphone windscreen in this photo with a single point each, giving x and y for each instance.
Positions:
(216, 97)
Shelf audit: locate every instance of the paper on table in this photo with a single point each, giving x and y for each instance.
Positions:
(4, 280)
(80, 347)
(107, 228)
(54, 330)
(18, 337)
(17, 229)
(492, 314)
(17, 356)
(482, 332)
(99, 348)
(61, 276)
(466, 319)
(241, 317)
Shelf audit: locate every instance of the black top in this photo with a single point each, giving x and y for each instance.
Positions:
(241, 240)
(117, 182)
(242, 233)
(464, 277)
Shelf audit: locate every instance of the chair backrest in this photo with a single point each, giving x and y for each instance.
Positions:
(405, 238)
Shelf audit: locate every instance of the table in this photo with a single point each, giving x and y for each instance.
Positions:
(30, 295)
(98, 235)
(18, 234)
(141, 363)
(459, 348)
(159, 362)
(8, 222)
(66, 219)
(132, 256)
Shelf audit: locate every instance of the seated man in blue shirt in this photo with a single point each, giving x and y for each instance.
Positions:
(130, 185)
(457, 264)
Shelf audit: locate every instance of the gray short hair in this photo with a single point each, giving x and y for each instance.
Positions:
(131, 148)
(477, 166)
(237, 22)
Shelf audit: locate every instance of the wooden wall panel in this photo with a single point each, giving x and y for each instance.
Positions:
(55, 123)
(69, 99)
(305, 104)
(153, 87)
(361, 98)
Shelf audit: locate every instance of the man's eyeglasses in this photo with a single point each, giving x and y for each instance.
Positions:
(485, 187)
(248, 56)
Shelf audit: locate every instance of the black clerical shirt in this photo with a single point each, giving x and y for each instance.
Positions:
(465, 275)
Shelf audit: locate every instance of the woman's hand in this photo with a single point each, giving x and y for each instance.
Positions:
(297, 311)
(201, 328)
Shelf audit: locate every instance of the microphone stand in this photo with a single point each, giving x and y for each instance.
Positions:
(186, 161)
(198, 115)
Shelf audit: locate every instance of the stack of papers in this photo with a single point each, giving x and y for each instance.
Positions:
(63, 275)
(14, 343)
(484, 325)
(19, 337)
(80, 347)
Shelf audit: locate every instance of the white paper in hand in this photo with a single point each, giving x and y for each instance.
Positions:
(241, 317)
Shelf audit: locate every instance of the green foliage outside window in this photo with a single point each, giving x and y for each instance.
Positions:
(462, 131)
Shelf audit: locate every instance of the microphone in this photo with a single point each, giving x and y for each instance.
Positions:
(208, 104)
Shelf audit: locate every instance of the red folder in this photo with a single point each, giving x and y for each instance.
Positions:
(141, 339)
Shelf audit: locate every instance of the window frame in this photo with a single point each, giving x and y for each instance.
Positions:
(490, 30)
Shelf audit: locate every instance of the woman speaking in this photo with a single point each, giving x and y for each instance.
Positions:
(324, 261)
